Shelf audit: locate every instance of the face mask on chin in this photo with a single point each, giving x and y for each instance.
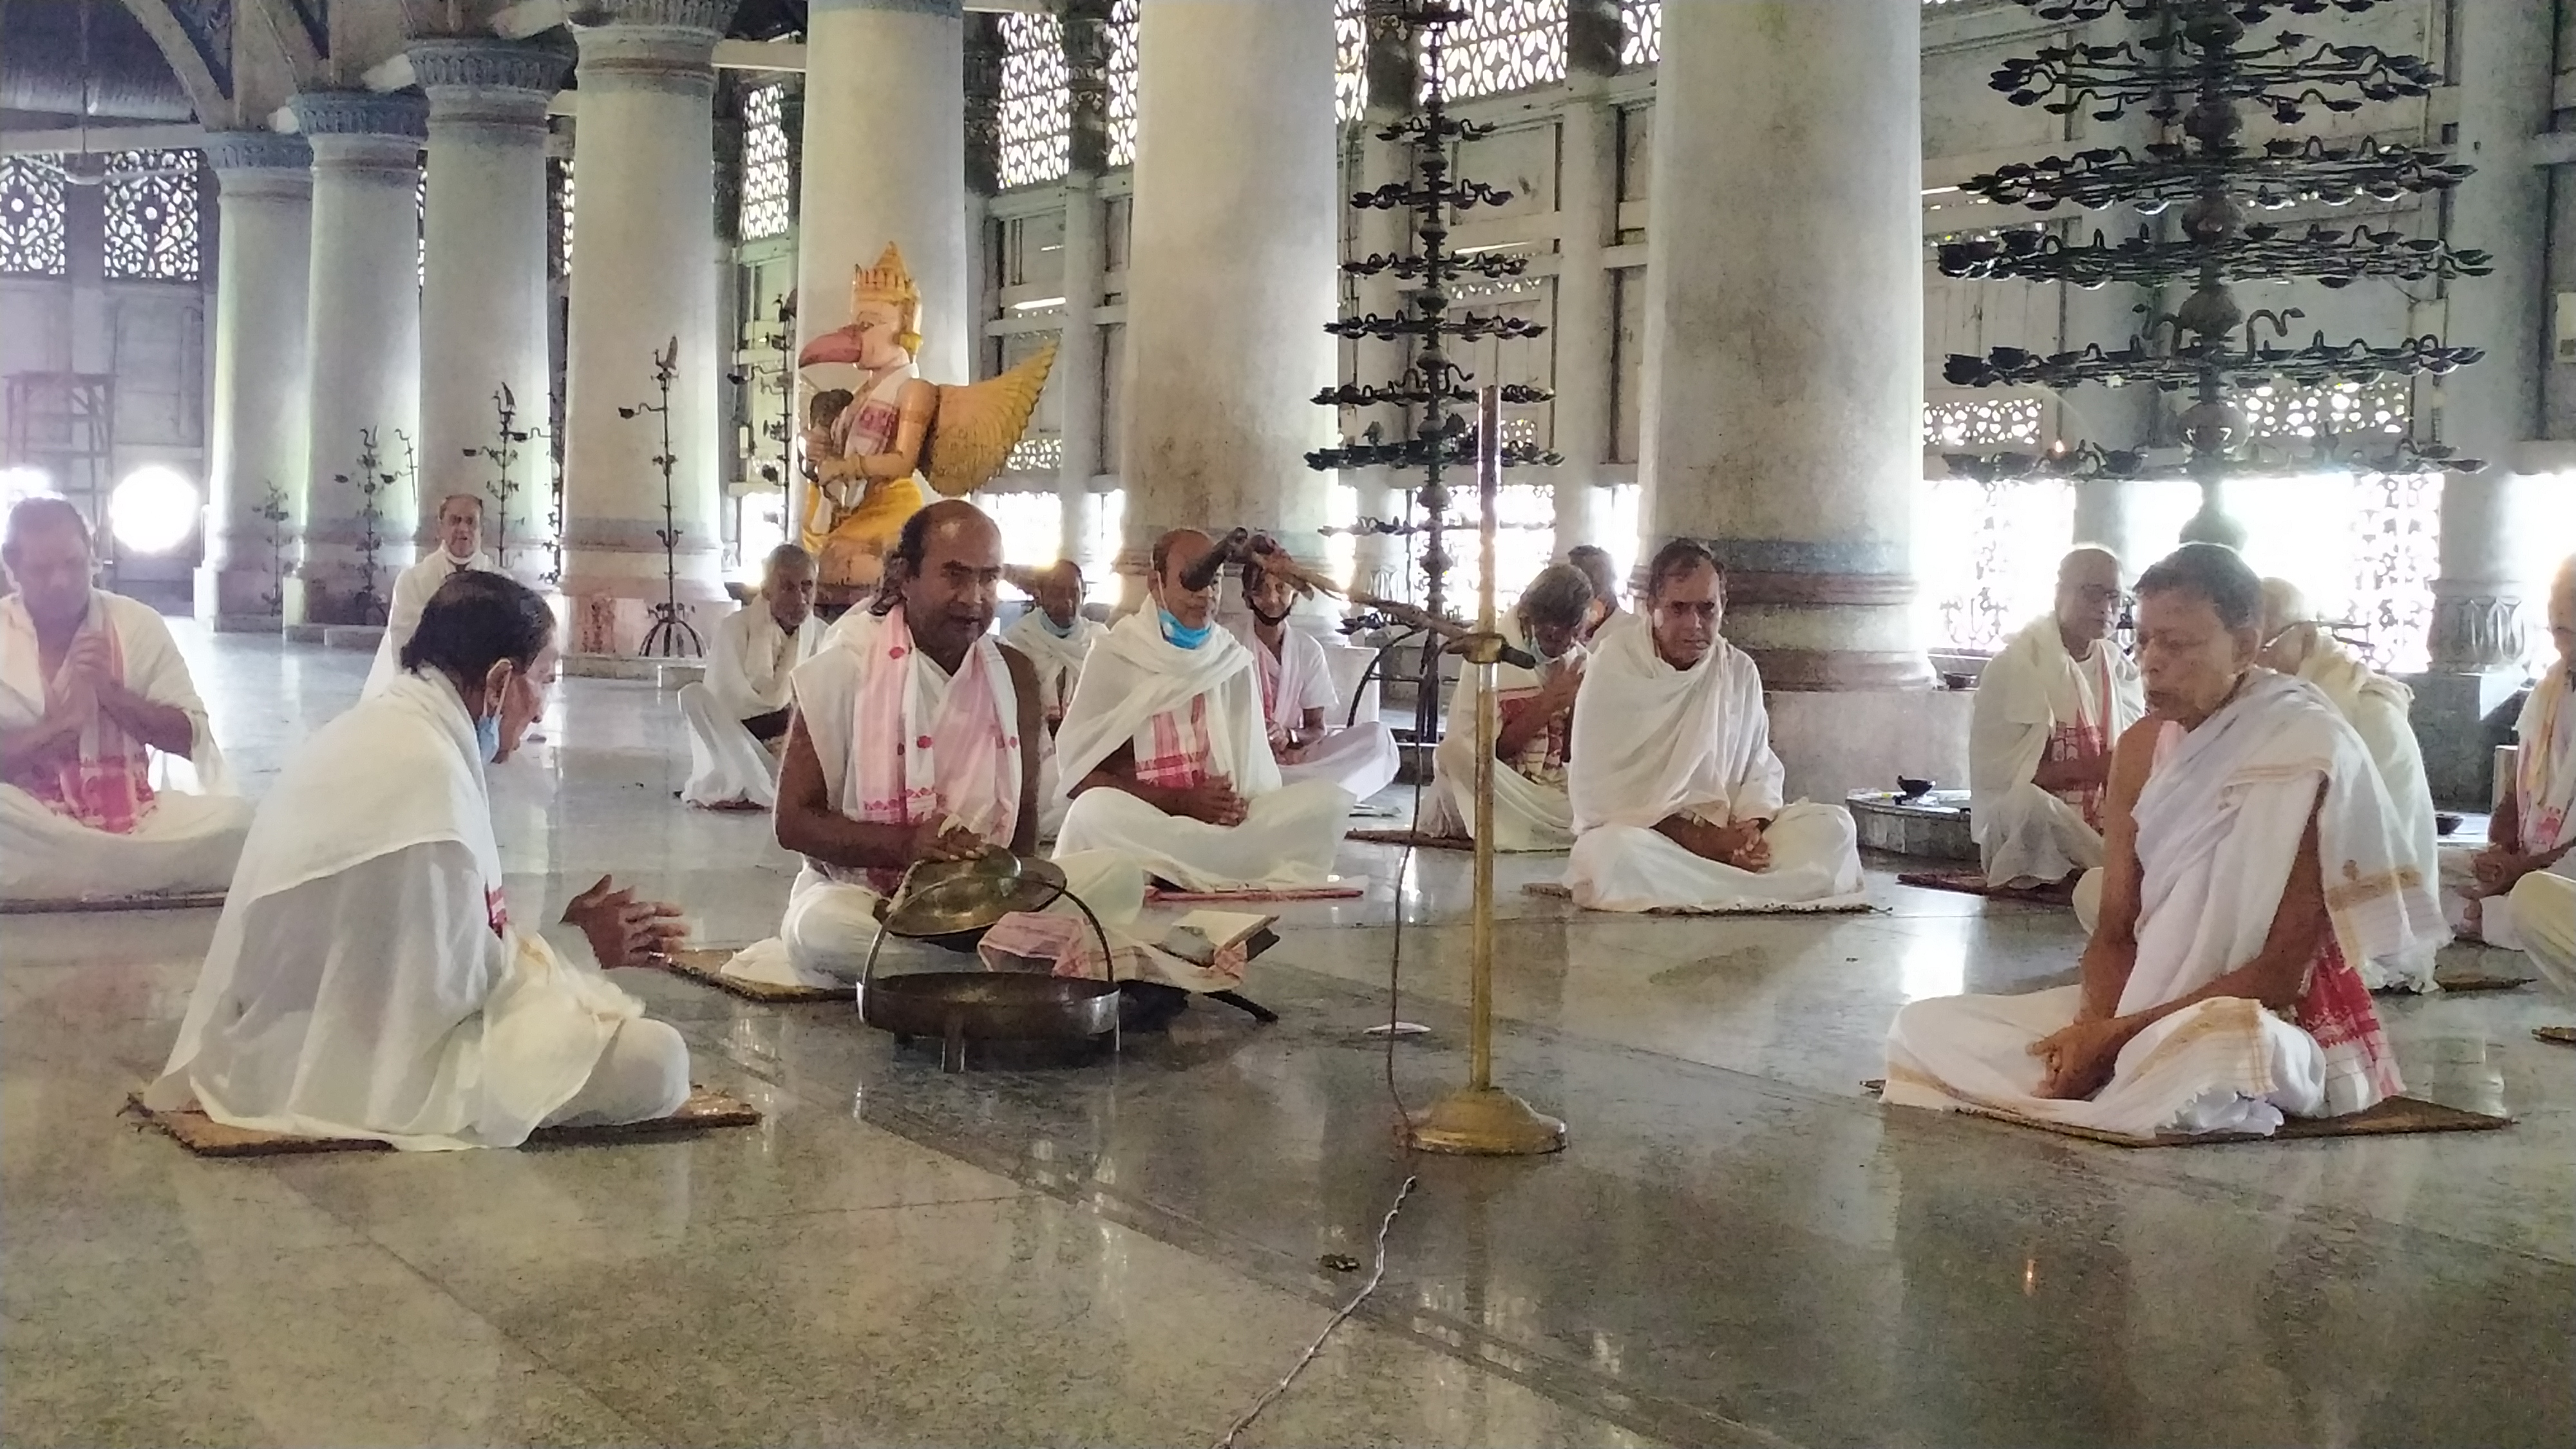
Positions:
(1047, 622)
(1270, 621)
(1182, 636)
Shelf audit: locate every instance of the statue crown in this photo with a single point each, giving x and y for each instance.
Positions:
(888, 281)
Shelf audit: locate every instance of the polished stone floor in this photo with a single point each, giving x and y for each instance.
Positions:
(1739, 1246)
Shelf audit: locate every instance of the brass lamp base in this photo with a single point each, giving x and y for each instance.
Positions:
(1485, 1122)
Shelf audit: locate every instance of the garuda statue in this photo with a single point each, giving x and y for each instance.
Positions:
(865, 445)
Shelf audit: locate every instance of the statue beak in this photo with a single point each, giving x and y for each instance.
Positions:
(840, 346)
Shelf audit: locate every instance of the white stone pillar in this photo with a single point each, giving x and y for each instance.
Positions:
(2497, 531)
(1784, 309)
(646, 278)
(362, 344)
(483, 305)
(1231, 272)
(1587, 200)
(884, 160)
(265, 182)
(1077, 374)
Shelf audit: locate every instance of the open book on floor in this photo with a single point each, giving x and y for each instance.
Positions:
(1200, 936)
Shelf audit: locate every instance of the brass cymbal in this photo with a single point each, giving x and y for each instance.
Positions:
(949, 897)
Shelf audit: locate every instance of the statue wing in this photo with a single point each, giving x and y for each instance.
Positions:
(972, 433)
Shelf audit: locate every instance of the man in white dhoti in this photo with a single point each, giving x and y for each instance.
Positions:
(1534, 717)
(738, 716)
(2531, 834)
(2376, 707)
(1055, 637)
(1298, 703)
(365, 978)
(1607, 589)
(2048, 708)
(92, 689)
(1675, 789)
(1166, 751)
(2252, 855)
(918, 740)
(460, 547)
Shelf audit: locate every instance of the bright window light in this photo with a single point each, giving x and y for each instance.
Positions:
(24, 480)
(153, 510)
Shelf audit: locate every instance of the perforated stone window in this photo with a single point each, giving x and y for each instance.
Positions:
(1122, 82)
(31, 218)
(150, 201)
(1505, 45)
(1037, 101)
(1982, 422)
(1641, 32)
(2384, 408)
(1350, 58)
(766, 193)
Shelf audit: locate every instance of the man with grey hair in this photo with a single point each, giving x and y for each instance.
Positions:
(1534, 714)
(92, 690)
(738, 716)
(460, 547)
(2047, 708)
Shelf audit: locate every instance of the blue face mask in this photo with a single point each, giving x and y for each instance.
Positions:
(1184, 637)
(1047, 622)
(487, 735)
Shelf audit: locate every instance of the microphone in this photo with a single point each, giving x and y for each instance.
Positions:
(1211, 566)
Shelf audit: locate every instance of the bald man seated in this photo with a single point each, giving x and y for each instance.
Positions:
(2047, 709)
(737, 716)
(460, 548)
(2376, 706)
(2520, 891)
(1166, 754)
(1056, 639)
(916, 738)
(95, 703)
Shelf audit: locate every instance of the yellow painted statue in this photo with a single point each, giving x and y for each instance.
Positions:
(865, 444)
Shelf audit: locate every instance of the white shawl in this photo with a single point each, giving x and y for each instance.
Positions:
(1134, 674)
(1294, 680)
(2544, 777)
(1058, 661)
(413, 589)
(415, 1014)
(1651, 741)
(2219, 823)
(154, 669)
(750, 658)
(2029, 689)
(2376, 707)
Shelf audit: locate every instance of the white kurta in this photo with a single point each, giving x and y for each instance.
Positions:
(365, 980)
(2544, 795)
(181, 841)
(2035, 702)
(831, 922)
(749, 658)
(1057, 658)
(412, 590)
(1651, 742)
(1361, 757)
(2219, 824)
(1532, 810)
(1205, 704)
(2376, 707)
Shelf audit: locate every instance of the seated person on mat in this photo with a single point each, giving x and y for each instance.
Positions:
(1675, 789)
(365, 979)
(918, 738)
(91, 686)
(2376, 707)
(1055, 636)
(1298, 702)
(2252, 857)
(739, 715)
(1167, 755)
(2532, 833)
(460, 547)
(1534, 710)
(2047, 709)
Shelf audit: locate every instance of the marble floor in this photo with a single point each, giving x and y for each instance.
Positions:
(1739, 1247)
